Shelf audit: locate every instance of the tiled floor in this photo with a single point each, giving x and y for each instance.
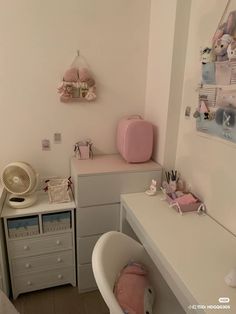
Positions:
(61, 300)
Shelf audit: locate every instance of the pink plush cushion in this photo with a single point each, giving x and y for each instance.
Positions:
(130, 288)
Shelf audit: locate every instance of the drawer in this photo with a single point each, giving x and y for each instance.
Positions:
(106, 188)
(42, 262)
(97, 219)
(44, 279)
(85, 248)
(86, 280)
(34, 246)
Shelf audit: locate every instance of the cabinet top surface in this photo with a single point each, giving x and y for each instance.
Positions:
(41, 206)
(110, 164)
(196, 249)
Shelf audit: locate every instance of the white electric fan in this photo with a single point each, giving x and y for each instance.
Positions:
(21, 180)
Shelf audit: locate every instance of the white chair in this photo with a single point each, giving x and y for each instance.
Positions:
(6, 307)
(111, 253)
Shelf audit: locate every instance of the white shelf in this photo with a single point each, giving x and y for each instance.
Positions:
(41, 206)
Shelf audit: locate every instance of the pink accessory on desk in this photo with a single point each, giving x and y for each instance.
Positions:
(186, 199)
(176, 196)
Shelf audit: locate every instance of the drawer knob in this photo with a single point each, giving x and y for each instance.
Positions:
(29, 283)
(58, 242)
(27, 265)
(59, 260)
(26, 247)
(59, 276)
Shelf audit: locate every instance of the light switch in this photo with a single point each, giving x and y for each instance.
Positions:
(57, 138)
(46, 144)
(187, 112)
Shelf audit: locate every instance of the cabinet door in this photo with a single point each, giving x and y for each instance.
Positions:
(95, 220)
(85, 248)
(106, 188)
(86, 280)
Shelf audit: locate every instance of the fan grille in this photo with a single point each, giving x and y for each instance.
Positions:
(16, 179)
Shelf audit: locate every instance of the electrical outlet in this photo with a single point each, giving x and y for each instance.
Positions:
(46, 144)
(57, 138)
(187, 112)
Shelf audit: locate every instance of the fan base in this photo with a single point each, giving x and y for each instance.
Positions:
(18, 201)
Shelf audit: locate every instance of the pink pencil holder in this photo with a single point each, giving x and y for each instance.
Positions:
(83, 150)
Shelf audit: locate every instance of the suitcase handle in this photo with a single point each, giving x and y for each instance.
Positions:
(135, 116)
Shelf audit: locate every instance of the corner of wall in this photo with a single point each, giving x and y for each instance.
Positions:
(159, 70)
(165, 74)
(177, 79)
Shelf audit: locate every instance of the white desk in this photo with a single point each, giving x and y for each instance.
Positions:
(193, 253)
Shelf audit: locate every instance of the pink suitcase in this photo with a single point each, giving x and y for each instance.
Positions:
(135, 139)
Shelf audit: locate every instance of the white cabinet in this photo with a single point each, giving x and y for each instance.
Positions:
(4, 280)
(98, 184)
(41, 245)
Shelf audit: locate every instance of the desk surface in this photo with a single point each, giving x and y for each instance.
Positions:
(195, 250)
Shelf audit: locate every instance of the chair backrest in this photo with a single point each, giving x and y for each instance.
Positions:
(6, 306)
(111, 253)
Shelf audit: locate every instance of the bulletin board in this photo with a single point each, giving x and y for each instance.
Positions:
(216, 110)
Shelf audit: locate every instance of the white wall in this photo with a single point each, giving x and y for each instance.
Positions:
(166, 60)
(38, 41)
(206, 163)
(161, 41)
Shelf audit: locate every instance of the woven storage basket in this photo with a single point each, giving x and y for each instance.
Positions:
(58, 191)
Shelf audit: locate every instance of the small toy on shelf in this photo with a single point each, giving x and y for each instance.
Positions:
(152, 189)
(207, 55)
(231, 51)
(221, 46)
(208, 66)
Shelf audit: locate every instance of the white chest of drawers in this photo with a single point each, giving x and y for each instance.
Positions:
(98, 184)
(40, 257)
